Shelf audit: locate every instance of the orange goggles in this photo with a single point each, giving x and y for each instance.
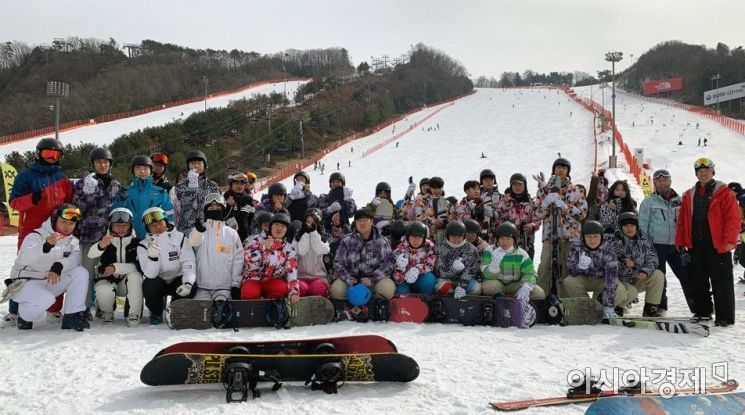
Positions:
(51, 154)
(70, 214)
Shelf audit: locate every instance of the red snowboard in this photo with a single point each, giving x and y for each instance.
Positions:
(408, 310)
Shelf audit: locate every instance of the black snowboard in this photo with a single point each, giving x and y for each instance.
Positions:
(477, 311)
(575, 311)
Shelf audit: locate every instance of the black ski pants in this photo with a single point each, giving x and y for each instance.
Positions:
(155, 289)
(709, 266)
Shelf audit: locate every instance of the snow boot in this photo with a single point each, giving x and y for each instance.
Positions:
(156, 319)
(9, 320)
(107, 317)
(133, 320)
(75, 321)
(23, 324)
(651, 310)
(619, 311)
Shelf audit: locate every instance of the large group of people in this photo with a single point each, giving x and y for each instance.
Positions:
(80, 246)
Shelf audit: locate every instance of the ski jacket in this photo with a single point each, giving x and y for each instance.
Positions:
(140, 196)
(723, 218)
(357, 258)
(95, 207)
(36, 257)
(191, 200)
(278, 261)
(422, 258)
(520, 211)
(466, 208)
(447, 253)
(55, 190)
(310, 251)
(639, 250)
(219, 256)
(163, 182)
(658, 218)
(121, 253)
(515, 265)
(490, 199)
(608, 217)
(298, 207)
(348, 207)
(175, 259)
(570, 216)
(243, 211)
(604, 264)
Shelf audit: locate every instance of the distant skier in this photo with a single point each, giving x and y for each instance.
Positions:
(482, 155)
(396, 144)
(699, 141)
(706, 141)
(337, 165)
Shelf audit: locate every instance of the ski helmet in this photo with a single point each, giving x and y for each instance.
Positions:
(251, 177)
(592, 227)
(337, 176)
(161, 158)
(280, 218)
(626, 218)
(506, 228)
(518, 177)
(196, 155)
(100, 153)
(417, 228)
(263, 217)
(703, 163)
(425, 180)
(121, 215)
(561, 161)
(470, 184)
(67, 211)
(455, 228)
(237, 177)
(452, 199)
(153, 214)
(48, 143)
(141, 160)
(358, 295)
(382, 186)
(436, 183)
(486, 173)
(303, 174)
(397, 230)
(277, 189)
(472, 226)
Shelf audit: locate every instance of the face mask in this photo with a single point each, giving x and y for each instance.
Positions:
(214, 214)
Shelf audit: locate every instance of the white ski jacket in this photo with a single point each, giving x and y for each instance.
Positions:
(219, 256)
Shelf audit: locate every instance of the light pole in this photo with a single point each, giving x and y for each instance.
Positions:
(285, 72)
(613, 57)
(633, 85)
(716, 77)
(204, 78)
(57, 90)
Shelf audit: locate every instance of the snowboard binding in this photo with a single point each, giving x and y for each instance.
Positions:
(329, 377)
(381, 309)
(437, 313)
(221, 313)
(239, 379)
(277, 315)
(589, 386)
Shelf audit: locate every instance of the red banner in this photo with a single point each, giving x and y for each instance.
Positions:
(663, 85)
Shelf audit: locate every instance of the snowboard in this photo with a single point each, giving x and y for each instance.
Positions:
(378, 309)
(478, 311)
(575, 311)
(669, 325)
(339, 345)
(720, 404)
(407, 310)
(197, 314)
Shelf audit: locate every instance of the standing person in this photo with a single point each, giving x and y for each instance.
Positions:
(424, 193)
(458, 263)
(312, 247)
(619, 201)
(518, 208)
(180, 177)
(658, 220)
(597, 194)
(251, 182)
(708, 226)
(338, 199)
(301, 198)
(241, 207)
(467, 207)
(434, 210)
(160, 163)
(415, 261)
(142, 194)
(167, 262)
(94, 196)
(490, 197)
(383, 208)
(191, 193)
(274, 200)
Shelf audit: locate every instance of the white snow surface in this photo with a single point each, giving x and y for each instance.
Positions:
(462, 368)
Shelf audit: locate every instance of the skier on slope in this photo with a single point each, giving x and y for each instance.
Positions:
(301, 198)
(473, 235)
(415, 261)
(457, 265)
(507, 268)
(338, 199)
(192, 192)
(312, 247)
(619, 201)
(518, 208)
(466, 208)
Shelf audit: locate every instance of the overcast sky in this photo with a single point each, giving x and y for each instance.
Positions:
(488, 37)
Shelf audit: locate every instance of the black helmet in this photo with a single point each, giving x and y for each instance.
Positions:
(196, 155)
(100, 153)
(519, 177)
(337, 176)
(561, 161)
(472, 226)
(382, 186)
(48, 143)
(141, 160)
(303, 174)
(398, 229)
(436, 182)
(277, 189)
(280, 218)
(263, 217)
(486, 173)
(455, 228)
(425, 180)
(628, 217)
(470, 184)
(506, 228)
(592, 227)
(417, 228)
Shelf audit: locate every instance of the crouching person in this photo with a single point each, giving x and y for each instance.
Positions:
(637, 265)
(167, 262)
(458, 264)
(592, 265)
(415, 261)
(118, 272)
(219, 252)
(312, 246)
(49, 264)
(508, 269)
(364, 258)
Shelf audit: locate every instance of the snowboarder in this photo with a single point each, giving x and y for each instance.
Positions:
(490, 198)
(457, 265)
(338, 199)
(473, 235)
(337, 165)
(415, 261)
(507, 268)
(482, 155)
(241, 207)
(619, 201)
(274, 200)
(383, 208)
(311, 246)
(301, 198)
(706, 141)
(467, 207)
(433, 210)
(160, 163)
(518, 208)
(191, 193)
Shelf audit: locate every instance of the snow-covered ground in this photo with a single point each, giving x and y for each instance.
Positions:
(105, 133)
(462, 368)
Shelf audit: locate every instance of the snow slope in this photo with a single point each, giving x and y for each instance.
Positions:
(462, 368)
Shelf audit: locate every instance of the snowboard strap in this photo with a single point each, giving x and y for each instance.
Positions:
(328, 377)
(437, 312)
(277, 315)
(221, 313)
(240, 377)
(381, 309)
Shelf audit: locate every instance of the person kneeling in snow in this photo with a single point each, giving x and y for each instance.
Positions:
(118, 271)
(457, 263)
(311, 246)
(219, 252)
(415, 259)
(271, 265)
(49, 264)
(167, 262)
(508, 269)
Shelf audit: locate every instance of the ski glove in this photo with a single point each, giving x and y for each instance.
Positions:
(541, 179)
(376, 202)
(411, 275)
(347, 193)
(584, 262)
(402, 261)
(488, 211)
(609, 312)
(335, 207)
(90, 184)
(193, 177)
(183, 290)
(459, 292)
(199, 226)
(457, 265)
(496, 260)
(153, 251)
(410, 190)
(297, 192)
(523, 294)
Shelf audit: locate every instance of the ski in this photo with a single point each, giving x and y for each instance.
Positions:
(661, 324)
(727, 386)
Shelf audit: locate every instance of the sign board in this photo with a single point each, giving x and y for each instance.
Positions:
(646, 185)
(663, 85)
(725, 93)
(9, 176)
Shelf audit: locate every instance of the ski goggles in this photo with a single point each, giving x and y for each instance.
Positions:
(154, 216)
(50, 154)
(238, 178)
(120, 217)
(71, 213)
(661, 173)
(703, 163)
(160, 158)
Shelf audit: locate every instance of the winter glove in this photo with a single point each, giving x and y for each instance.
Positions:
(523, 294)
(235, 293)
(248, 209)
(584, 262)
(488, 211)
(347, 193)
(153, 251)
(410, 190)
(199, 226)
(90, 184)
(496, 260)
(411, 275)
(376, 202)
(183, 290)
(609, 312)
(458, 265)
(193, 177)
(232, 223)
(402, 261)
(335, 207)
(459, 292)
(541, 179)
(297, 191)
(36, 197)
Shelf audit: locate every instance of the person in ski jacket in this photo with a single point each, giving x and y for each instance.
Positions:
(270, 269)
(116, 268)
(160, 163)
(364, 257)
(142, 194)
(508, 269)
(619, 201)
(424, 192)
(415, 261)
(383, 208)
(219, 253)
(241, 207)
(708, 226)
(457, 265)
(466, 208)
(433, 210)
(490, 197)
(571, 207)
(597, 195)
(312, 246)
(300, 198)
(167, 263)
(637, 265)
(48, 265)
(180, 177)
(191, 193)
(338, 199)
(592, 265)
(473, 235)
(658, 219)
(518, 208)
(274, 200)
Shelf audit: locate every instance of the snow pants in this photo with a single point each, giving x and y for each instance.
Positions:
(37, 295)
(384, 288)
(129, 286)
(494, 287)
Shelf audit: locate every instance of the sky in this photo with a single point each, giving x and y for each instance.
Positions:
(487, 37)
